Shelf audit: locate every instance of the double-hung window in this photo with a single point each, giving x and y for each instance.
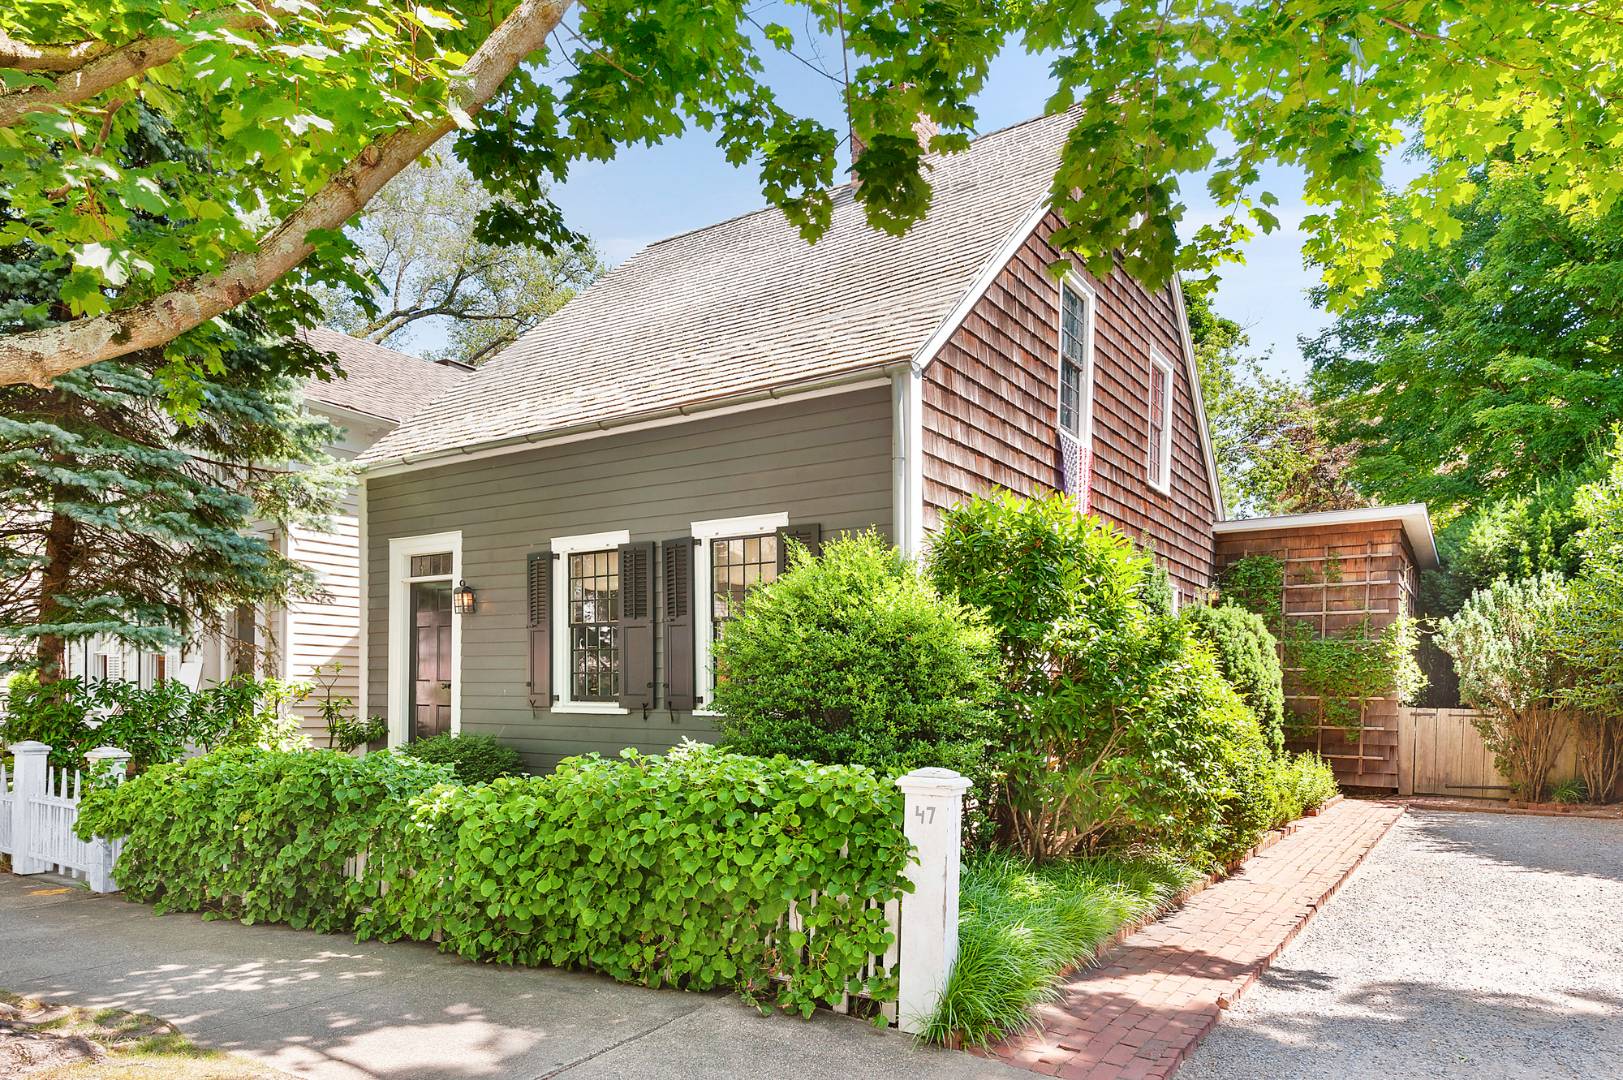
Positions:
(1075, 333)
(733, 555)
(588, 633)
(1159, 450)
(594, 612)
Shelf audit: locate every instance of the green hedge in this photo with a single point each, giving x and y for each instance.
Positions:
(260, 836)
(673, 870)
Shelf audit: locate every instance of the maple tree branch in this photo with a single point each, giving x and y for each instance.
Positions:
(26, 56)
(106, 71)
(38, 356)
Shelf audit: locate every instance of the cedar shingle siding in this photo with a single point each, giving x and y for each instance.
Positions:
(991, 404)
(824, 461)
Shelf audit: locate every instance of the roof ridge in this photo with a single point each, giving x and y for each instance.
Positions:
(833, 191)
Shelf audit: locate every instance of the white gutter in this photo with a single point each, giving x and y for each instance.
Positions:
(846, 382)
(1414, 517)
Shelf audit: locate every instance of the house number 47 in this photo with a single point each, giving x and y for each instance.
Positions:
(925, 814)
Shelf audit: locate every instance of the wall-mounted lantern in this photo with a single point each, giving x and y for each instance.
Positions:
(462, 601)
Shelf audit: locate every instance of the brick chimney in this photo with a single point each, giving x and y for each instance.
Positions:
(924, 129)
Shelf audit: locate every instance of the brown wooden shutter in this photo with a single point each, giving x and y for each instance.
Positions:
(538, 592)
(637, 626)
(680, 680)
(809, 536)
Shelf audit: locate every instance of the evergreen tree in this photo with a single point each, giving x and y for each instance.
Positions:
(116, 517)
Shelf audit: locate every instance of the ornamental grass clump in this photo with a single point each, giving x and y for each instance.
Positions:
(1022, 926)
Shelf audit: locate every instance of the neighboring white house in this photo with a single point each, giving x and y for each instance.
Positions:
(379, 389)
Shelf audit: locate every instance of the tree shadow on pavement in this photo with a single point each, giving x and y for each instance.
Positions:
(1581, 847)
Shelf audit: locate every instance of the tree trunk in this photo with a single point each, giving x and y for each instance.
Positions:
(61, 540)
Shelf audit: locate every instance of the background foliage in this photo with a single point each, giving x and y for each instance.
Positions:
(154, 724)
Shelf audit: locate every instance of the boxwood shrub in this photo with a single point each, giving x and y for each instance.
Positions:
(854, 657)
(1248, 656)
(474, 759)
(677, 870)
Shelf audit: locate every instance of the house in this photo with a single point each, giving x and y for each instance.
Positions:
(541, 538)
(378, 389)
(552, 546)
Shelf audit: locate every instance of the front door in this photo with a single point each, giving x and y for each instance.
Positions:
(431, 658)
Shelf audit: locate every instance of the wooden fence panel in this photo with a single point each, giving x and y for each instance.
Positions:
(1442, 753)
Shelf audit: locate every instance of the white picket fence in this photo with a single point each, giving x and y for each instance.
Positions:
(39, 806)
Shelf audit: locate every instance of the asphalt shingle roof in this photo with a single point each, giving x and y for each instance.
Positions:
(378, 381)
(746, 306)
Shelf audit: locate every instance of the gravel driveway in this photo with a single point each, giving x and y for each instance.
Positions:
(1485, 946)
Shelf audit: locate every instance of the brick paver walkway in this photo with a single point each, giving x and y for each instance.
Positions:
(1162, 989)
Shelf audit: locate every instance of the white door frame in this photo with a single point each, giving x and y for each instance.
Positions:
(401, 549)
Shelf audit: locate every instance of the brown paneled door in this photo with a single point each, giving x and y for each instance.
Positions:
(431, 658)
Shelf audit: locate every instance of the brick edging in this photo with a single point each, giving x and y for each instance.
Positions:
(1313, 907)
(1105, 950)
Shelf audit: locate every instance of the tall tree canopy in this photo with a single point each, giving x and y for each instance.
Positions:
(1488, 369)
(117, 519)
(429, 269)
(311, 106)
(1267, 435)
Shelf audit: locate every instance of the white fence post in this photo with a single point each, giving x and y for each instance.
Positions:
(933, 820)
(108, 764)
(27, 785)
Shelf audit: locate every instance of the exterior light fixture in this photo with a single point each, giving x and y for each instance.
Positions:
(462, 601)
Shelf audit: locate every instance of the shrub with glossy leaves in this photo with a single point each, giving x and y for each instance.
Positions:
(666, 871)
(1115, 727)
(1248, 656)
(854, 657)
(474, 759)
(255, 835)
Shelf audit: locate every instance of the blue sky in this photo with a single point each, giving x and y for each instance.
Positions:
(647, 193)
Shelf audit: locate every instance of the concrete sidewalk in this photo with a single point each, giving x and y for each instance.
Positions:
(320, 1005)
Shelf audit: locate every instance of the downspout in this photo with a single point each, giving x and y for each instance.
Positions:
(907, 459)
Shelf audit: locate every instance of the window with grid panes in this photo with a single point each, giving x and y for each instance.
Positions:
(431, 565)
(1072, 357)
(594, 612)
(736, 563)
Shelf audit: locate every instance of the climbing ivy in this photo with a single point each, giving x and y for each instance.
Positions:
(1347, 670)
(1256, 583)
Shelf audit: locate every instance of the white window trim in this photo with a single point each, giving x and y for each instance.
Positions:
(1074, 282)
(401, 549)
(1161, 368)
(562, 547)
(704, 609)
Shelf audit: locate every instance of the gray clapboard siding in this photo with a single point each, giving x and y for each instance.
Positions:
(826, 460)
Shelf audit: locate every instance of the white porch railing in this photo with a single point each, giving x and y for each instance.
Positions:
(39, 806)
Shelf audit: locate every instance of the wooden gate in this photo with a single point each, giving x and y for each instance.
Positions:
(1441, 753)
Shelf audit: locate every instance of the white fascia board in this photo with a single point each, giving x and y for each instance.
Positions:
(1199, 399)
(1414, 517)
